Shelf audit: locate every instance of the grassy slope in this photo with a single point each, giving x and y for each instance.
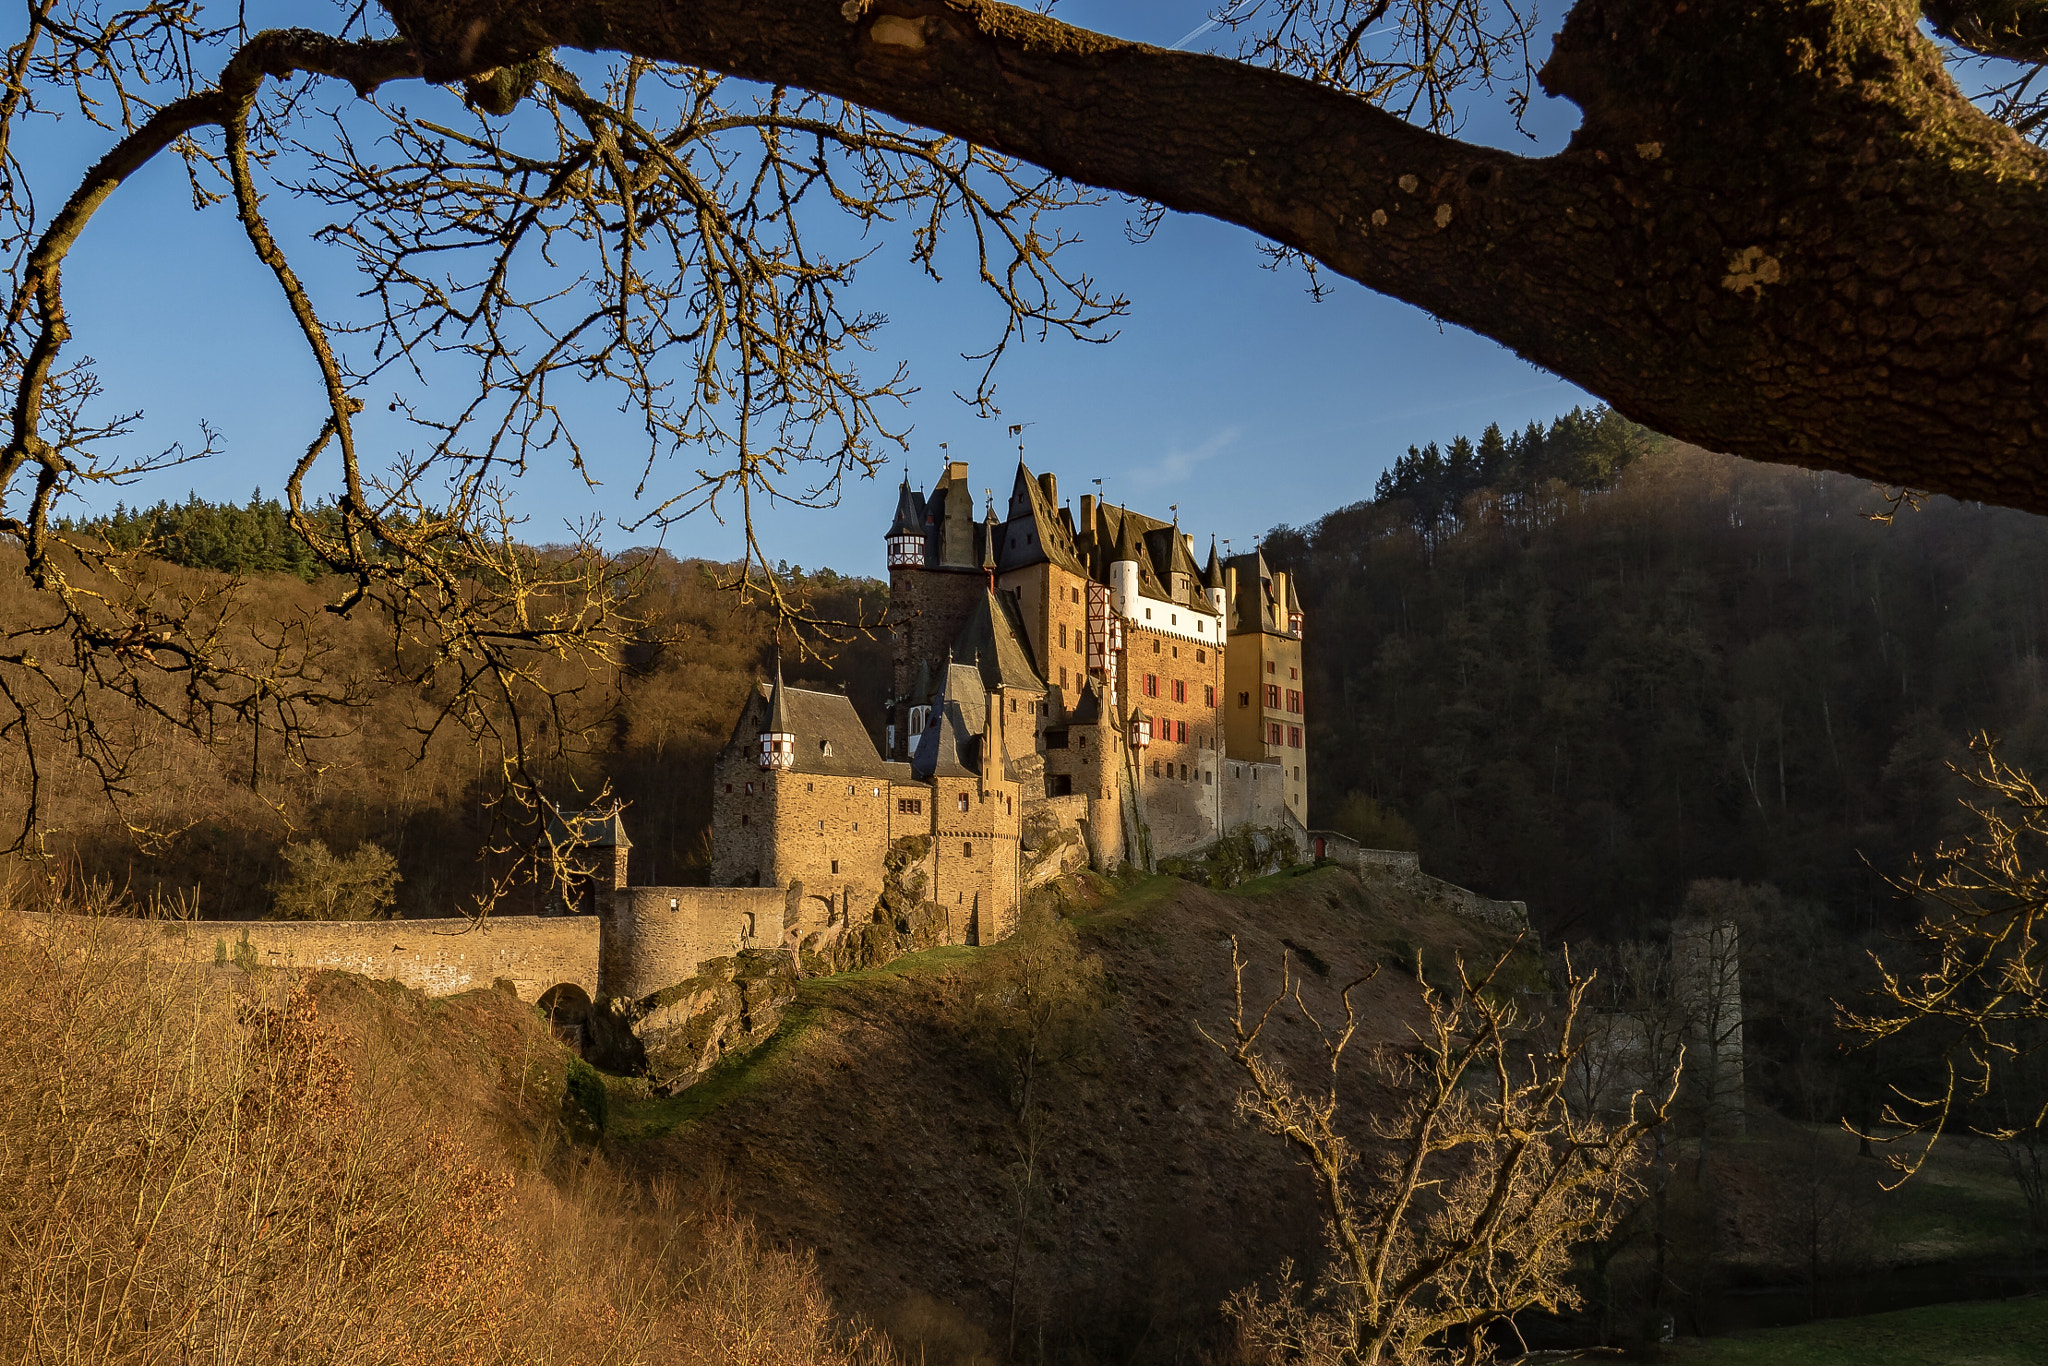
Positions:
(2013, 1333)
(869, 1131)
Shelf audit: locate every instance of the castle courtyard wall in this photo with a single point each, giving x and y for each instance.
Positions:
(439, 957)
(655, 937)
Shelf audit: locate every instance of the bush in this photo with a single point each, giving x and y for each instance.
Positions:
(320, 885)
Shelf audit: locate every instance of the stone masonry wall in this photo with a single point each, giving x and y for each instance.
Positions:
(438, 957)
(656, 937)
(1404, 870)
(1253, 794)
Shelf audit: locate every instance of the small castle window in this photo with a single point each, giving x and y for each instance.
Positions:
(1148, 614)
(750, 789)
(1293, 672)
(1208, 777)
(967, 849)
(728, 787)
(1201, 656)
(747, 924)
(1176, 652)
(743, 818)
(910, 806)
(825, 748)
(1155, 647)
(1269, 666)
(856, 827)
(821, 827)
(810, 787)
(963, 801)
(1244, 699)
(835, 867)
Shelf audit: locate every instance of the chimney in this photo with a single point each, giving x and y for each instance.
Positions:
(1049, 483)
(1087, 514)
(956, 469)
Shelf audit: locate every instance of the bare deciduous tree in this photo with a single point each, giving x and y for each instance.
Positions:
(1457, 1203)
(669, 201)
(1978, 981)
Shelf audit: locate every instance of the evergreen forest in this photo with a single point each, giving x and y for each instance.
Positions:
(1590, 692)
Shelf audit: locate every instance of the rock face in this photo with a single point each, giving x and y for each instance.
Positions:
(1051, 847)
(679, 1033)
(902, 921)
(733, 1004)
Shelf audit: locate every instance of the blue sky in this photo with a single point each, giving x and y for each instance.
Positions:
(1227, 391)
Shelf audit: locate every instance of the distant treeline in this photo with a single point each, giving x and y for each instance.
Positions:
(1581, 450)
(1673, 666)
(256, 539)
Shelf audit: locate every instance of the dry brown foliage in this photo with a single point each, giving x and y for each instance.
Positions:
(1457, 1203)
(202, 818)
(192, 1175)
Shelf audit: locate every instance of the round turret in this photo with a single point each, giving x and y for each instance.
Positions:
(778, 736)
(906, 533)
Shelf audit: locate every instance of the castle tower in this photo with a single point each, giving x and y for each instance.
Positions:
(1212, 583)
(778, 736)
(906, 533)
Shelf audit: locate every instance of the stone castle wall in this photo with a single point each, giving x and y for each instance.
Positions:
(438, 957)
(1253, 794)
(1404, 870)
(655, 937)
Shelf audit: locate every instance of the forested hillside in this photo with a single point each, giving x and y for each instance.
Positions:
(1588, 697)
(203, 822)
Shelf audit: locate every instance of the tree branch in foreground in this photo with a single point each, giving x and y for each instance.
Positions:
(1460, 1201)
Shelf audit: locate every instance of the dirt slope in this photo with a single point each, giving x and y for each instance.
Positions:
(875, 1131)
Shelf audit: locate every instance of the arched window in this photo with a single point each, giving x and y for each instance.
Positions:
(967, 849)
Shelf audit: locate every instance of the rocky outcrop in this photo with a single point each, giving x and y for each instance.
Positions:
(1052, 847)
(901, 922)
(679, 1033)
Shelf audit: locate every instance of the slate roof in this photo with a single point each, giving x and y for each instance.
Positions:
(1036, 529)
(994, 640)
(1255, 606)
(951, 744)
(909, 512)
(829, 736)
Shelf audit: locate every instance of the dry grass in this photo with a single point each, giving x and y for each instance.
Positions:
(193, 1171)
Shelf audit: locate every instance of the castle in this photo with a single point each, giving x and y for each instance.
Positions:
(1053, 666)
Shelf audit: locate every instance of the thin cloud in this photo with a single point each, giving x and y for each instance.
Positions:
(1178, 464)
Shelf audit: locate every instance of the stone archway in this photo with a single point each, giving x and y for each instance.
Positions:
(567, 1008)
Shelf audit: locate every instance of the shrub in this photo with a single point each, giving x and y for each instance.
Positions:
(320, 885)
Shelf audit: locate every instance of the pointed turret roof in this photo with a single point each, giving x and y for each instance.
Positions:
(988, 538)
(1212, 576)
(909, 512)
(994, 641)
(778, 706)
(951, 744)
(1127, 541)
